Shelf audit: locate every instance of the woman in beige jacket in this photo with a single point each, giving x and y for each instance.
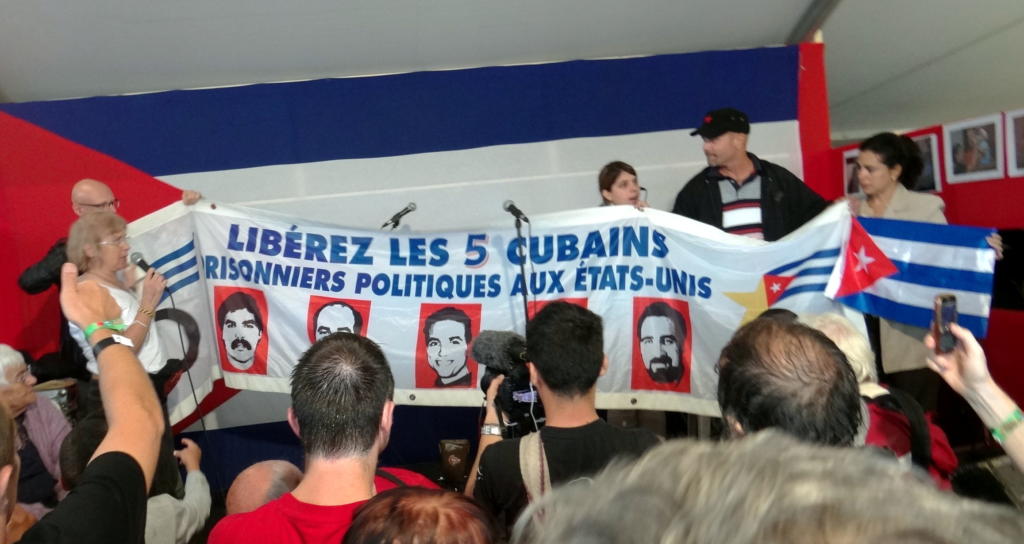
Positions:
(887, 165)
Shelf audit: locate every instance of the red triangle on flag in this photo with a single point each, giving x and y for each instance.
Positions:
(863, 262)
(774, 286)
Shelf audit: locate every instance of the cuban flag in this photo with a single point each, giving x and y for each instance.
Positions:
(894, 269)
(808, 274)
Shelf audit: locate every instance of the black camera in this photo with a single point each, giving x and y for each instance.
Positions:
(504, 353)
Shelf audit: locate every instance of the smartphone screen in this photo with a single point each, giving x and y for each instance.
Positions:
(945, 313)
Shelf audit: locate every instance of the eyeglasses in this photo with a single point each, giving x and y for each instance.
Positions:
(111, 205)
(119, 241)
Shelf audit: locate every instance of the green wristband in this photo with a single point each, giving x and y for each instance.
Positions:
(114, 324)
(1011, 422)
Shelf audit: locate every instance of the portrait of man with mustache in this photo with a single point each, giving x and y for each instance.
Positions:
(241, 324)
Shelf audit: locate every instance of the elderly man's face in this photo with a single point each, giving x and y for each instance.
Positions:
(446, 348)
(241, 334)
(335, 318)
(660, 348)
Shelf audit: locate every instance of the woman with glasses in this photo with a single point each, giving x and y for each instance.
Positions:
(97, 245)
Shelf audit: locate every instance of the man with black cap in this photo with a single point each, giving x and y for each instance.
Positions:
(740, 193)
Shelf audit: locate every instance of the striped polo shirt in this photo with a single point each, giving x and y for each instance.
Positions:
(741, 206)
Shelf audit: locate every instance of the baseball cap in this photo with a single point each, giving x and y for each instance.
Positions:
(718, 122)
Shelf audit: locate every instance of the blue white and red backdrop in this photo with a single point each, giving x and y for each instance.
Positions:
(352, 151)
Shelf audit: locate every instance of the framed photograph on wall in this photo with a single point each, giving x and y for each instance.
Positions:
(1015, 142)
(850, 185)
(974, 149)
(928, 181)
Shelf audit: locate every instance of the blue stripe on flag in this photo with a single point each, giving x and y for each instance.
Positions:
(180, 285)
(806, 288)
(905, 313)
(814, 271)
(170, 273)
(421, 112)
(943, 278)
(191, 245)
(934, 233)
(816, 255)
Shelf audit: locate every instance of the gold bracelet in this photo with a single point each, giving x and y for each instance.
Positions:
(146, 311)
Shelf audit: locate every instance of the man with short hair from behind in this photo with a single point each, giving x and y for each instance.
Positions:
(565, 354)
(786, 375)
(110, 503)
(341, 411)
(261, 483)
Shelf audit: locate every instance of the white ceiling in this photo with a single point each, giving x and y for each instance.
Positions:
(891, 63)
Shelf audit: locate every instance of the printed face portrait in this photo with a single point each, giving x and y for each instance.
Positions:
(241, 334)
(241, 329)
(443, 358)
(661, 350)
(661, 346)
(337, 317)
(446, 350)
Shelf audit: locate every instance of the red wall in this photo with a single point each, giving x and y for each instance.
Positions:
(37, 171)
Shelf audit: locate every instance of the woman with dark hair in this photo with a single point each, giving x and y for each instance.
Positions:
(415, 515)
(618, 185)
(887, 166)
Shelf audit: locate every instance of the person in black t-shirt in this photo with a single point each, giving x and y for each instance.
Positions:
(565, 354)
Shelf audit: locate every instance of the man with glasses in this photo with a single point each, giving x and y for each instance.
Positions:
(87, 196)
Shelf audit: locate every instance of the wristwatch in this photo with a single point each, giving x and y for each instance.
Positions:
(490, 429)
(110, 341)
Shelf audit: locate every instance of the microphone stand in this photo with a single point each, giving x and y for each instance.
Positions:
(521, 250)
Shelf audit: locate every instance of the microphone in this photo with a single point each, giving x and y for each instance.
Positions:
(393, 222)
(138, 260)
(511, 208)
(501, 351)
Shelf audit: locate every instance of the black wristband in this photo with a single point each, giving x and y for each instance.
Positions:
(107, 342)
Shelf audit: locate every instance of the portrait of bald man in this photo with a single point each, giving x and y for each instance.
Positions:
(336, 317)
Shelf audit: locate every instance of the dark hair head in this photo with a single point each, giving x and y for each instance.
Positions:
(566, 344)
(662, 309)
(415, 515)
(339, 389)
(781, 314)
(240, 300)
(896, 150)
(606, 178)
(789, 376)
(450, 313)
(357, 326)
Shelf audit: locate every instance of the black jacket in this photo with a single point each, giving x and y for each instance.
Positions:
(786, 202)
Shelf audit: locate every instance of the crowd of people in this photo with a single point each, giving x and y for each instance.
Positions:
(825, 438)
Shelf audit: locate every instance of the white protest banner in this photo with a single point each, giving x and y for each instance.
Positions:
(261, 287)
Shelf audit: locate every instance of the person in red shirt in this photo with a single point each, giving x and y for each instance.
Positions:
(341, 411)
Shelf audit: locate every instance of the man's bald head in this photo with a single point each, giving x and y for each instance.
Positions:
(90, 195)
(260, 484)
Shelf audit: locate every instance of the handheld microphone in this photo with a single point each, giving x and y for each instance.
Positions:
(393, 222)
(511, 208)
(138, 260)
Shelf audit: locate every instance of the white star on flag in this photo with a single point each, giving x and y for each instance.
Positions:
(775, 287)
(863, 260)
